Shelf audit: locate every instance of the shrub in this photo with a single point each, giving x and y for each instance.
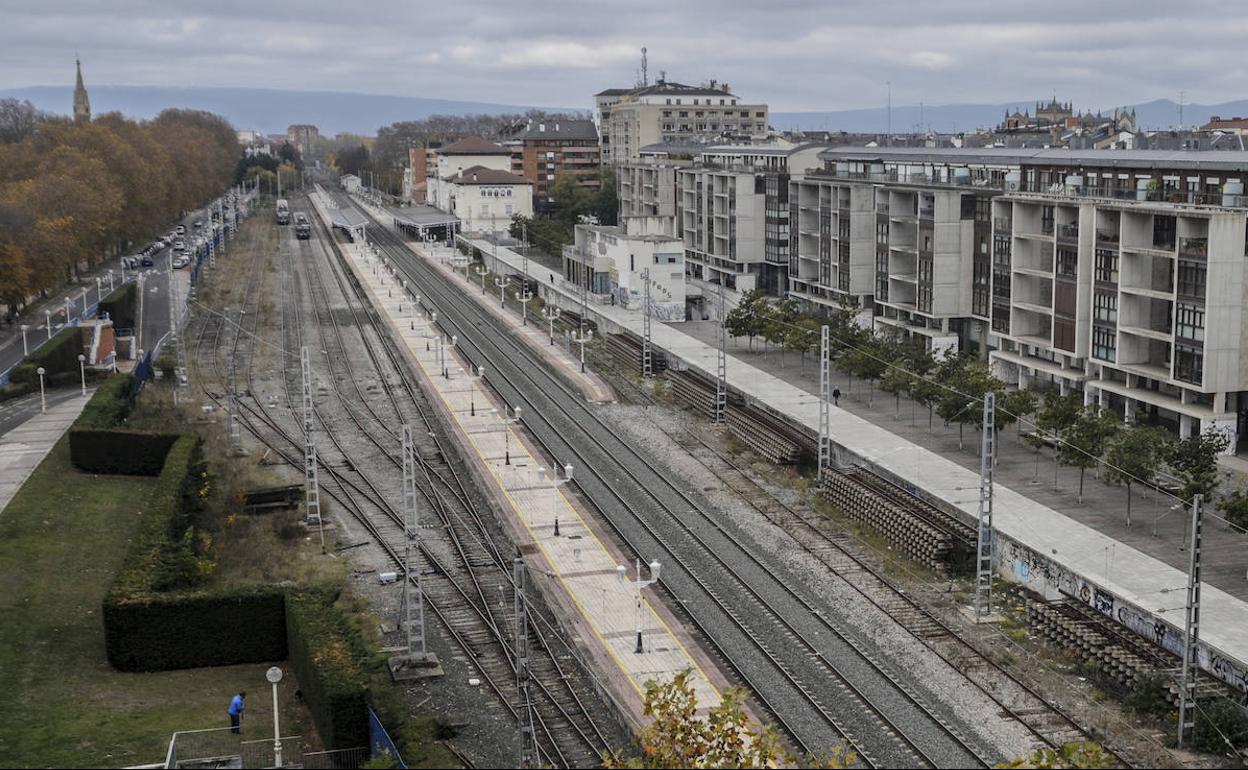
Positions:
(125, 452)
(122, 306)
(1150, 694)
(1220, 721)
(110, 406)
(59, 355)
(330, 658)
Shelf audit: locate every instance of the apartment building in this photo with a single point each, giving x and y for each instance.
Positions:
(1118, 274)
(619, 262)
(647, 188)
(546, 150)
(669, 111)
(303, 137)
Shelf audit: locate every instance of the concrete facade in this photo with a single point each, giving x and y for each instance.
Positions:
(625, 254)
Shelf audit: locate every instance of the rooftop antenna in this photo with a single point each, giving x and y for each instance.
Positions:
(1181, 95)
(644, 76)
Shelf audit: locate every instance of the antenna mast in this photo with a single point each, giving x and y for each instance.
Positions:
(644, 76)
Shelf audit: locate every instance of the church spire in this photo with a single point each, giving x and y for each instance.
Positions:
(82, 104)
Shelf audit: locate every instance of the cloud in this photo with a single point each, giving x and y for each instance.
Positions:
(794, 55)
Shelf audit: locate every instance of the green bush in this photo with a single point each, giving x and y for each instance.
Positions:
(331, 660)
(14, 391)
(122, 306)
(122, 452)
(57, 356)
(1150, 694)
(149, 628)
(1219, 721)
(110, 406)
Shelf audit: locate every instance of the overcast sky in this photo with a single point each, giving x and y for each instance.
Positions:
(792, 54)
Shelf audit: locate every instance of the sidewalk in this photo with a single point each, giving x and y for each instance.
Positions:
(25, 446)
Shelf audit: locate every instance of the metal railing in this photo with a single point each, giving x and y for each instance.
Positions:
(262, 752)
(200, 745)
(340, 758)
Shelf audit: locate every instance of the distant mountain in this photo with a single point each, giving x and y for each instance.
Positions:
(262, 109)
(1160, 113)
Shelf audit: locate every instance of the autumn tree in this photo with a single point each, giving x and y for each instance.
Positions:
(1076, 755)
(676, 737)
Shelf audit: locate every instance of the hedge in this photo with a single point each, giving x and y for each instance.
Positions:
(331, 660)
(122, 306)
(58, 355)
(122, 452)
(110, 406)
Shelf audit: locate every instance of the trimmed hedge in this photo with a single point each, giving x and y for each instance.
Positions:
(110, 406)
(159, 632)
(331, 660)
(149, 629)
(122, 452)
(57, 356)
(122, 306)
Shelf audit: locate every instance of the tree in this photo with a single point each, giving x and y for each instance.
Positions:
(1013, 405)
(1055, 417)
(1234, 506)
(18, 120)
(965, 382)
(1084, 442)
(1077, 755)
(1194, 460)
(924, 389)
(778, 323)
(1134, 455)
(748, 318)
(804, 336)
(677, 737)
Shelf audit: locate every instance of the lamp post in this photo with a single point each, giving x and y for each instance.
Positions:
(524, 296)
(508, 420)
(47, 315)
(639, 584)
(550, 313)
(482, 271)
(583, 336)
(110, 281)
(501, 283)
(82, 373)
(99, 290)
(274, 675)
(555, 481)
(25, 350)
(43, 402)
(84, 303)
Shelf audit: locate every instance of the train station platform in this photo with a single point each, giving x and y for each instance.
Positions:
(1036, 546)
(576, 568)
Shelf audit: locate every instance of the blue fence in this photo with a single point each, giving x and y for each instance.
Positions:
(379, 742)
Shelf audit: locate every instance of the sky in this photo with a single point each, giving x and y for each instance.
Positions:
(796, 55)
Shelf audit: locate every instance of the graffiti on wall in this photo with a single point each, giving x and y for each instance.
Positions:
(1053, 581)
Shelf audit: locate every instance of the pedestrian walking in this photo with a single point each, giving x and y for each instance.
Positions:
(836, 397)
(236, 713)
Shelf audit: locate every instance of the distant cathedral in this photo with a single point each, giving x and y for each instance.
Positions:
(82, 105)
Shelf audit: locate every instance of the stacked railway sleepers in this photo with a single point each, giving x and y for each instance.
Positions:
(761, 432)
(1097, 640)
(962, 536)
(627, 351)
(896, 521)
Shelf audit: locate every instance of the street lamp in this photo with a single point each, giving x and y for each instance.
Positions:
(555, 481)
(501, 283)
(550, 313)
(583, 336)
(507, 422)
(639, 584)
(274, 675)
(25, 350)
(47, 315)
(43, 402)
(482, 271)
(82, 372)
(99, 290)
(524, 296)
(110, 280)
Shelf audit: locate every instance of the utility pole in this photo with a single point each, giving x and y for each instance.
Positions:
(1181, 95)
(983, 555)
(529, 756)
(1191, 632)
(311, 483)
(413, 600)
(721, 371)
(889, 138)
(825, 391)
(232, 405)
(647, 366)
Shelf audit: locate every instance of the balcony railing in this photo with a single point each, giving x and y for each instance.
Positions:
(1069, 231)
(1105, 236)
(1004, 224)
(1194, 247)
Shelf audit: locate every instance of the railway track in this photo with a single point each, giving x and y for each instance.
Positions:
(1048, 723)
(568, 734)
(823, 685)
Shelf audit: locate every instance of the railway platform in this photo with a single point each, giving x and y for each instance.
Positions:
(578, 570)
(1037, 546)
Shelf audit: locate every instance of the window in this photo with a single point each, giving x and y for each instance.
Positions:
(1191, 322)
(1067, 262)
(1192, 279)
(678, 101)
(760, 114)
(1189, 363)
(684, 113)
(669, 101)
(721, 101)
(745, 113)
(1107, 265)
(667, 113)
(1104, 343)
(1105, 306)
(509, 209)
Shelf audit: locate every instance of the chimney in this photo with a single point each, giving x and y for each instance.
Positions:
(474, 177)
(541, 127)
(725, 87)
(714, 82)
(556, 128)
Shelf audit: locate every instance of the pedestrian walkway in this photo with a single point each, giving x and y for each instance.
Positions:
(1042, 548)
(25, 446)
(605, 611)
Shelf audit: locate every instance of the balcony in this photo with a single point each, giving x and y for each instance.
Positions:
(1106, 239)
(1002, 224)
(1069, 232)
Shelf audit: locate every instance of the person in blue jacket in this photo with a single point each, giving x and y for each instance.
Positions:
(236, 712)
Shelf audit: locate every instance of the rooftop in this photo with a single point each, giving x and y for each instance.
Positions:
(473, 145)
(1164, 159)
(558, 129)
(483, 175)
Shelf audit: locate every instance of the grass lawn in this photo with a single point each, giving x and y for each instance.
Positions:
(62, 540)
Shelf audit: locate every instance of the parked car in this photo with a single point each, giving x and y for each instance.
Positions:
(199, 223)
(146, 261)
(180, 230)
(129, 263)
(180, 263)
(179, 246)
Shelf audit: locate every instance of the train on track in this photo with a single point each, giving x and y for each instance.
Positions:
(283, 211)
(303, 228)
